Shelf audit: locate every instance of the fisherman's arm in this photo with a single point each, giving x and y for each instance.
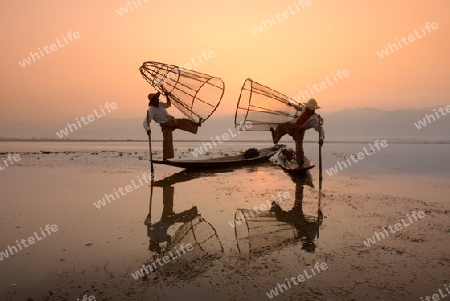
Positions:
(146, 124)
(318, 126)
(298, 108)
(314, 122)
(167, 94)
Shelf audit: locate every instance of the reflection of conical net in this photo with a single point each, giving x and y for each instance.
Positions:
(195, 94)
(261, 232)
(262, 106)
(206, 247)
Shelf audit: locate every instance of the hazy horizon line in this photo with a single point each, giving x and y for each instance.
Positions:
(225, 142)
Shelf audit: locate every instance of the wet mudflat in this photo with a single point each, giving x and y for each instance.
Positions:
(243, 247)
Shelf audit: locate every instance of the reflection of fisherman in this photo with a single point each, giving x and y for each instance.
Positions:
(297, 127)
(157, 112)
(157, 232)
(296, 218)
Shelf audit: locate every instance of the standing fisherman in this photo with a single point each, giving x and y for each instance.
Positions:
(157, 112)
(296, 128)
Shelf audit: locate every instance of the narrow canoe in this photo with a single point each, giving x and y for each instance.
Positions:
(223, 162)
(294, 168)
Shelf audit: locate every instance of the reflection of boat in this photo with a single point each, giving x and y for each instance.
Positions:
(258, 233)
(222, 162)
(186, 175)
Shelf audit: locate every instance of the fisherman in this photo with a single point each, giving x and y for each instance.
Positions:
(157, 112)
(157, 232)
(307, 226)
(296, 128)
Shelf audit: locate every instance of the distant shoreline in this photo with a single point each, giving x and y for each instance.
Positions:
(225, 142)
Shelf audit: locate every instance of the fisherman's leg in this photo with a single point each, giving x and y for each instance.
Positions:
(168, 194)
(186, 125)
(280, 214)
(186, 216)
(298, 204)
(168, 151)
(281, 130)
(299, 154)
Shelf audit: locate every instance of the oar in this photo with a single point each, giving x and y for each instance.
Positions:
(150, 148)
(320, 165)
(152, 170)
(319, 210)
(320, 157)
(149, 216)
(148, 219)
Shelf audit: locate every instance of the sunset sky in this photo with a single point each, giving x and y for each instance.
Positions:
(302, 49)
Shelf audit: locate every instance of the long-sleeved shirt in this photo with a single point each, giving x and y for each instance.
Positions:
(159, 115)
(312, 123)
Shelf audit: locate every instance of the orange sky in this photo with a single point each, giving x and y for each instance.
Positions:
(301, 50)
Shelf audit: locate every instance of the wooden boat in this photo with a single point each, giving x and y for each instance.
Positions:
(294, 169)
(223, 162)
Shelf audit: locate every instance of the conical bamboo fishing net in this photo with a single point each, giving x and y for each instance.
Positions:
(263, 107)
(196, 95)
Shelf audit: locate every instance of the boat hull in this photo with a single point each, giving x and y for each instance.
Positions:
(223, 162)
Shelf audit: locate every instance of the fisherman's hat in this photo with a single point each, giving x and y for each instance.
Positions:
(312, 104)
(153, 95)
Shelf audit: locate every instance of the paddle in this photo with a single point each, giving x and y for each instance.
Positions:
(147, 221)
(320, 166)
(152, 170)
(320, 156)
